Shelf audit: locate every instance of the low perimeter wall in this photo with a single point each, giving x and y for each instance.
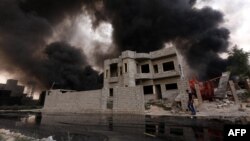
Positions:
(125, 100)
(73, 102)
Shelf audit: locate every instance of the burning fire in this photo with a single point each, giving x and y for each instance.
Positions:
(206, 87)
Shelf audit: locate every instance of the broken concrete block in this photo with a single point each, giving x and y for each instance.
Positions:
(219, 106)
(173, 111)
(217, 100)
(225, 105)
(228, 102)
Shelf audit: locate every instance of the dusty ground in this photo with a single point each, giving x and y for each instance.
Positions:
(6, 135)
(207, 109)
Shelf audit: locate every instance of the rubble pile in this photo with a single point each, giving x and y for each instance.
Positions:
(224, 103)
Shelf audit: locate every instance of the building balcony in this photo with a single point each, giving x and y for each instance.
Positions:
(144, 76)
(166, 74)
(157, 75)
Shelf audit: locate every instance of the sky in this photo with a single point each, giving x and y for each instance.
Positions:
(237, 19)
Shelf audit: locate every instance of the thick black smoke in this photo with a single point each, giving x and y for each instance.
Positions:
(67, 68)
(146, 25)
(140, 25)
(25, 27)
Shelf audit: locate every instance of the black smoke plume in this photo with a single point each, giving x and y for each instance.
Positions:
(26, 26)
(146, 25)
(67, 68)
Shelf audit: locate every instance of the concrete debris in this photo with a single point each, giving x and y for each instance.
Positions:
(219, 106)
(173, 111)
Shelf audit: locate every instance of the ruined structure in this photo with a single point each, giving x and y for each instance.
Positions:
(12, 86)
(130, 81)
(13, 94)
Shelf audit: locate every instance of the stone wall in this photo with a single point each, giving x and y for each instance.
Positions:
(125, 100)
(129, 100)
(73, 102)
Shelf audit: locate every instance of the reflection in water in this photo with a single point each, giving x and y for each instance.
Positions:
(110, 123)
(29, 119)
(90, 127)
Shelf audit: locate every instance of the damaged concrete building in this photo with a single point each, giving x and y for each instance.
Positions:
(130, 81)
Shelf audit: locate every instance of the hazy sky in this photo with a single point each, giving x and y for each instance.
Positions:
(237, 19)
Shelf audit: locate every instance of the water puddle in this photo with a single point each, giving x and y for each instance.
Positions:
(94, 127)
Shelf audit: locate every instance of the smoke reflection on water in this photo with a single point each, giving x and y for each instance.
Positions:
(107, 127)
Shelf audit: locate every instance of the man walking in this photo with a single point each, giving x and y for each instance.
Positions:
(190, 102)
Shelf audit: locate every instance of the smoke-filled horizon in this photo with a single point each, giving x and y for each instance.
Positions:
(36, 37)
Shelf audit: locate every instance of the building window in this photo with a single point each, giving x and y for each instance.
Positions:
(126, 67)
(111, 92)
(168, 66)
(145, 68)
(114, 70)
(110, 104)
(107, 72)
(172, 86)
(137, 82)
(120, 70)
(156, 68)
(148, 89)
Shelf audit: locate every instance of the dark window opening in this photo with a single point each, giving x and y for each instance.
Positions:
(172, 86)
(110, 104)
(137, 82)
(158, 91)
(107, 72)
(114, 70)
(120, 70)
(111, 92)
(148, 89)
(156, 68)
(168, 66)
(176, 131)
(145, 68)
(126, 67)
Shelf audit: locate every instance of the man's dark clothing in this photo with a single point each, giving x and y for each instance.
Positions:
(190, 103)
(190, 96)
